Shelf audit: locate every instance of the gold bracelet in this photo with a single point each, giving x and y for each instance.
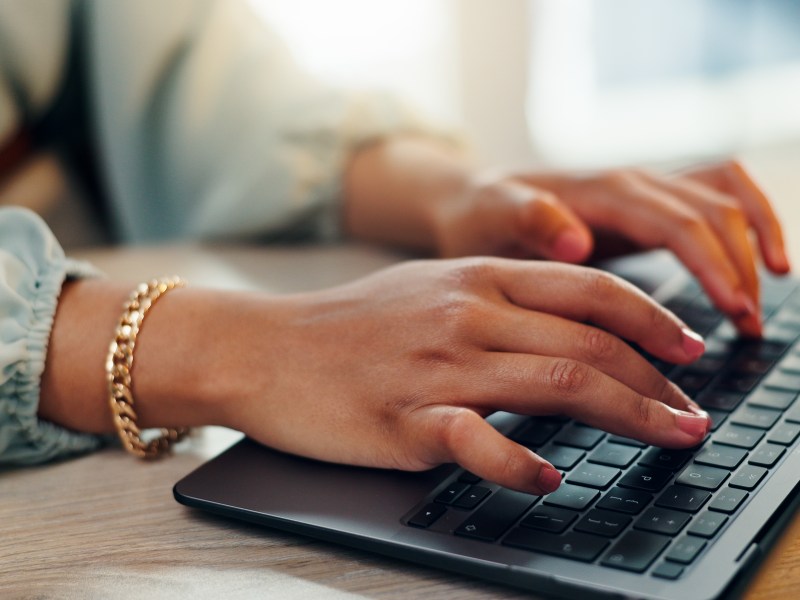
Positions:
(118, 371)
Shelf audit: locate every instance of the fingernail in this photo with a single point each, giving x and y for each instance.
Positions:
(695, 425)
(569, 246)
(549, 479)
(693, 344)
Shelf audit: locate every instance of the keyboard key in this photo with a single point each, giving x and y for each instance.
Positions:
(774, 332)
(451, 492)
(596, 476)
(769, 398)
(761, 349)
(635, 551)
(790, 363)
(603, 522)
(753, 366)
(645, 478)
(683, 498)
(467, 477)
(748, 477)
(668, 570)
(717, 417)
(708, 364)
(561, 457)
(739, 382)
(571, 496)
(472, 497)
(766, 455)
(736, 435)
(427, 516)
(618, 439)
(665, 459)
(614, 455)
(753, 416)
(785, 433)
(578, 546)
(536, 432)
(720, 399)
(685, 550)
(702, 476)
(719, 455)
(496, 515)
(691, 382)
(662, 520)
(707, 524)
(549, 518)
(623, 500)
(728, 500)
(793, 414)
(783, 380)
(579, 436)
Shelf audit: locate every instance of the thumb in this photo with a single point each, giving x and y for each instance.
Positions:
(549, 228)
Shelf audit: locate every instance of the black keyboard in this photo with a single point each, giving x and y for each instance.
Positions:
(626, 505)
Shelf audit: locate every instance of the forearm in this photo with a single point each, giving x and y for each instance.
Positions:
(197, 352)
(395, 190)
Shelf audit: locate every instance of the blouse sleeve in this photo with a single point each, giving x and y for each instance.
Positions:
(32, 270)
(208, 128)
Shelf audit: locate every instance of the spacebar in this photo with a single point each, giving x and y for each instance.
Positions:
(495, 517)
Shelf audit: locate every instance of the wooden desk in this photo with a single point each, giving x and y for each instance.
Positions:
(106, 526)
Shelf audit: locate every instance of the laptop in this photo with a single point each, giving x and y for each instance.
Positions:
(629, 521)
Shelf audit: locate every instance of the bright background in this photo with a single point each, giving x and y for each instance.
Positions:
(577, 83)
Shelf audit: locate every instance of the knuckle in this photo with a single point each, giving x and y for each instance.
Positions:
(601, 286)
(643, 411)
(691, 221)
(730, 214)
(469, 273)
(597, 345)
(568, 376)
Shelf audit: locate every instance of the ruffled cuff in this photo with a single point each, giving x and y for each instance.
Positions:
(32, 270)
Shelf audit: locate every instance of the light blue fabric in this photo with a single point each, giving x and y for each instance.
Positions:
(32, 269)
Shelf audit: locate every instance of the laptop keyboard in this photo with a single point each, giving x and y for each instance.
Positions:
(626, 505)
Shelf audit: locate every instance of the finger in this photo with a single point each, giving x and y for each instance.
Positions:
(653, 217)
(536, 385)
(453, 434)
(549, 228)
(526, 332)
(725, 216)
(589, 295)
(732, 178)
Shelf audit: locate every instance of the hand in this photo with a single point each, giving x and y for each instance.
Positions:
(398, 369)
(704, 216)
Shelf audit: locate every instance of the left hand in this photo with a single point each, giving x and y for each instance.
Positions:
(705, 216)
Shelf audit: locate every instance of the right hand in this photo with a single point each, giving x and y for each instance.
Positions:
(399, 369)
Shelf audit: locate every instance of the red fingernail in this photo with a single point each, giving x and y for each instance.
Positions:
(549, 479)
(695, 425)
(692, 343)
